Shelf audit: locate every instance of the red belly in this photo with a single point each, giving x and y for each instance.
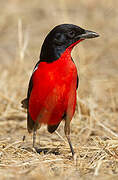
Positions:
(54, 92)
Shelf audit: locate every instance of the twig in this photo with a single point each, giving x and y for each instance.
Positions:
(61, 137)
(107, 129)
(98, 166)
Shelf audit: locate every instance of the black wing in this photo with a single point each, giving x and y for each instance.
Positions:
(25, 102)
(30, 86)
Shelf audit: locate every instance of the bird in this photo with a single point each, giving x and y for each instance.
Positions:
(51, 95)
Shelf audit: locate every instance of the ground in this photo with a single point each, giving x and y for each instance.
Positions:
(94, 128)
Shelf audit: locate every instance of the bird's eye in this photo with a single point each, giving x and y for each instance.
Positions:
(71, 34)
(58, 35)
(59, 39)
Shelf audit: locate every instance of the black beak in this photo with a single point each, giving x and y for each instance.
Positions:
(88, 34)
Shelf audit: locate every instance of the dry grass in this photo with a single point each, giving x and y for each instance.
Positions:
(94, 129)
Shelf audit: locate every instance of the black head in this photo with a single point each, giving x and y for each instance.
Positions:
(62, 37)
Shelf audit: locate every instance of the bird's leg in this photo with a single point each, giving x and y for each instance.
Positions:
(70, 144)
(36, 126)
(67, 134)
(39, 125)
(34, 137)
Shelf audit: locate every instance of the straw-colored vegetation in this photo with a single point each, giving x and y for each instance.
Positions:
(94, 128)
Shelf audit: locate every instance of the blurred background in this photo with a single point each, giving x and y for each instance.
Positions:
(23, 26)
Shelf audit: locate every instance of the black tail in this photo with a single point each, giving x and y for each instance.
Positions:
(52, 128)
